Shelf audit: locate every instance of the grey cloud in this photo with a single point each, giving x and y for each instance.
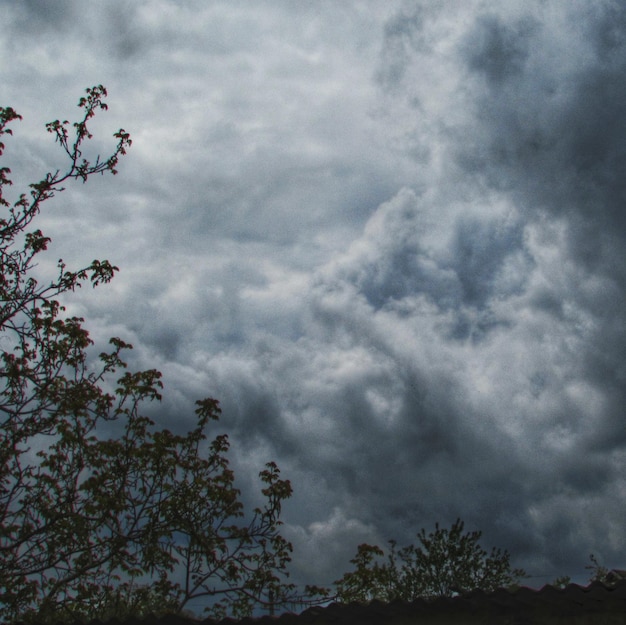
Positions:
(114, 28)
(125, 36)
(43, 17)
(485, 260)
(554, 138)
(418, 443)
(459, 357)
(481, 249)
(594, 477)
(403, 33)
(390, 261)
(606, 24)
(338, 533)
(379, 429)
(499, 50)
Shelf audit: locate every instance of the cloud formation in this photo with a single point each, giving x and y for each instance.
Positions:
(389, 237)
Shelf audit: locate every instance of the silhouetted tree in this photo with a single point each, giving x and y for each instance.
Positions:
(88, 518)
(445, 562)
(599, 573)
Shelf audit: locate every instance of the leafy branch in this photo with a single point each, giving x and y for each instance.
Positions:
(95, 501)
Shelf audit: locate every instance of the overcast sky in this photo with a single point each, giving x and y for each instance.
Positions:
(388, 236)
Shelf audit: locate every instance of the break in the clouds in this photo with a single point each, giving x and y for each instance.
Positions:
(389, 237)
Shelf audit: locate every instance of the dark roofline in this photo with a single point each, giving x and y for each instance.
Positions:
(596, 603)
(521, 605)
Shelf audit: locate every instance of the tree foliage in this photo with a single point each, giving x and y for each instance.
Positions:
(101, 512)
(444, 563)
(599, 572)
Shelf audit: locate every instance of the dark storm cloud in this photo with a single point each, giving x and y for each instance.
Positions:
(499, 50)
(359, 412)
(555, 141)
(550, 134)
(556, 138)
(546, 140)
(369, 404)
(39, 16)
